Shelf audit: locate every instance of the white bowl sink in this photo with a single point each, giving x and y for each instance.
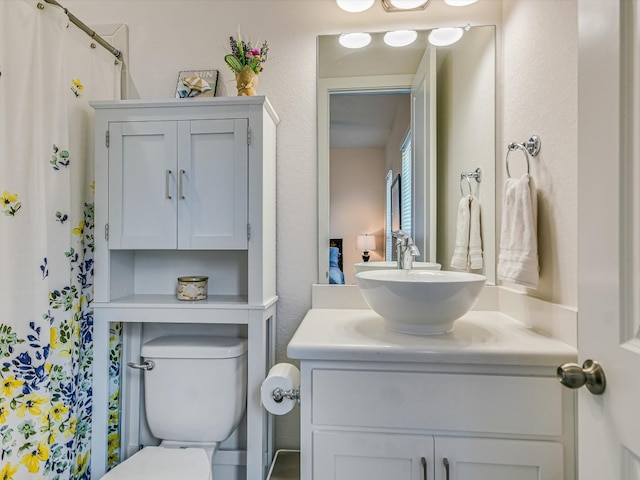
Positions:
(370, 266)
(420, 302)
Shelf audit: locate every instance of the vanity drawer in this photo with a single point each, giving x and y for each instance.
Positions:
(432, 401)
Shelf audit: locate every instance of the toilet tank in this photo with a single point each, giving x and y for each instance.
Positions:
(197, 389)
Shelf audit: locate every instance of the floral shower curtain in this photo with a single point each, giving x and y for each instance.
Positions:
(48, 73)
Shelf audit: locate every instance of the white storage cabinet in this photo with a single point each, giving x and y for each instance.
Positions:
(185, 187)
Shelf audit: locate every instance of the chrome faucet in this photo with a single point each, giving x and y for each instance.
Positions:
(406, 250)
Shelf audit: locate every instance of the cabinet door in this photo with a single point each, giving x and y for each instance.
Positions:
(371, 456)
(493, 459)
(212, 184)
(142, 185)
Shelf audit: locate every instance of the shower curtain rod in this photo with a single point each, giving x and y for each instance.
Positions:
(101, 41)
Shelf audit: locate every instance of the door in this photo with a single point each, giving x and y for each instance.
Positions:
(458, 458)
(372, 456)
(213, 158)
(142, 185)
(609, 236)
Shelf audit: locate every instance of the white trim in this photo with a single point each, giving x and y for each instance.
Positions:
(552, 319)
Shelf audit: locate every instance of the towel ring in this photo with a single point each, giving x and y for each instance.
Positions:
(532, 147)
(462, 177)
(476, 175)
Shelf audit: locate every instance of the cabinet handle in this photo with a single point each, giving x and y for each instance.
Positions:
(167, 177)
(180, 191)
(423, 461)
(147, 365)
(446, 468)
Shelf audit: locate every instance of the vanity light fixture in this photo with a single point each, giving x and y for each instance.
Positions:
(354, 40)
(355, 6)
(365, 243)
(400, 38)
(459, 3)
(404, 5)
(441, 37)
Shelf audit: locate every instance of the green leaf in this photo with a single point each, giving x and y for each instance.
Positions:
(233, 63)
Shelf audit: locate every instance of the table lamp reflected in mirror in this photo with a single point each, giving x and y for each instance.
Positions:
(366, 243)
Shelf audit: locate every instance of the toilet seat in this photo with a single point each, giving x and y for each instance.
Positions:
(158, 463)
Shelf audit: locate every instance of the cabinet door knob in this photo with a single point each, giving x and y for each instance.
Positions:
(423, 462)
(167, 177)
(445, 461)
(591, 374)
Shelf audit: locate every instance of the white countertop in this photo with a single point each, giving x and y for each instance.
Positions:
(479, 337)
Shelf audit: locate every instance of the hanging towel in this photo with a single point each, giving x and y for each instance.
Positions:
(518, 259)
(475, 240)
(460, 258)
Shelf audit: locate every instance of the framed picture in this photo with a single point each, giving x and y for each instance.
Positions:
(197, 83)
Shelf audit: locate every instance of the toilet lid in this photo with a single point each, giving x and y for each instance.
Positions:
(157, 463)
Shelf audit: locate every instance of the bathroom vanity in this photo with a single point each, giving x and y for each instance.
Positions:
(481, 402)
(184, 187)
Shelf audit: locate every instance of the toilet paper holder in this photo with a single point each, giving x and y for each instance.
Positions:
(279, 394)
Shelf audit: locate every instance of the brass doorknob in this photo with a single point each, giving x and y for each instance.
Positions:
(591, 374)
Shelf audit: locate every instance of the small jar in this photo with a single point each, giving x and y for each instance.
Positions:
(192, 288)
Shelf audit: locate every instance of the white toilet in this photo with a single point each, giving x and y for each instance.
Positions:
(195, 396)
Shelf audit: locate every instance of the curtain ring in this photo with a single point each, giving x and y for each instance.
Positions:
(515, 146)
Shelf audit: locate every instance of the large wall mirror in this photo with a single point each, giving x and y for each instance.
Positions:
(420, 113)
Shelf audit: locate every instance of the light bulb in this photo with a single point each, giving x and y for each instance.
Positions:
(459, 3)
(400, 38)
(355, 6)
(408, 4)
(441, 37)
(354, 40)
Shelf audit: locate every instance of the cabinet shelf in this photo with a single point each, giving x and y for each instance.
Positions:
(151, 308)
(170, 301)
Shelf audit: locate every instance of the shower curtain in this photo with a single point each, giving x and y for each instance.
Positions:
(48, 74)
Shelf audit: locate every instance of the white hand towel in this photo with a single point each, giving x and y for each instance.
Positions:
(518, 260)
(475, 239)
(460, 258)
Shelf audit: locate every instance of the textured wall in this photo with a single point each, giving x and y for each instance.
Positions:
(540, 95)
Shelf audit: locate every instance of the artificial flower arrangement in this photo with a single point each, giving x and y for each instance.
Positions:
(246, 62)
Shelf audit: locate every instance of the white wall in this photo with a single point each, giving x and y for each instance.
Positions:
(539, 86)
(466, 139)
(358, 202)
(540, 95)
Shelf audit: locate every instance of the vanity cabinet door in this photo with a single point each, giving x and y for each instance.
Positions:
(495, 459)
(371, 456)
(178, 184)
(142, 185)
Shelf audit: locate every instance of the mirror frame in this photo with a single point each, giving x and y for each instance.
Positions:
(325, 87)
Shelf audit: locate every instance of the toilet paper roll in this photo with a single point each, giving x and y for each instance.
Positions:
(286, 377)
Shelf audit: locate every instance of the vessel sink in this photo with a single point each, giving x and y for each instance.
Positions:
(420, 302)
(370, 266)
